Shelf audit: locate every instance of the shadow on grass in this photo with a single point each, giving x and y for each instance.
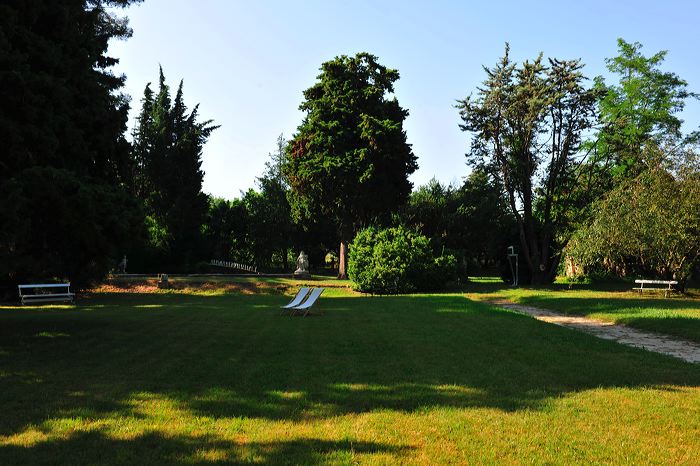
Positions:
(231, 356)
(154, 448)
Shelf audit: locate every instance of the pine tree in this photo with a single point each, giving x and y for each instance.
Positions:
(273, 167)
(62, 125)
(168, 146)
(60, 104)
(270, 220)
(141, 149)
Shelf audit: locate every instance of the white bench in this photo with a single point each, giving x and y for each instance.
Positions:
(664, 285)
(45, 292)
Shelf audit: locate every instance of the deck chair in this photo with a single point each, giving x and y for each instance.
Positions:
(303, 291)
(306, 305)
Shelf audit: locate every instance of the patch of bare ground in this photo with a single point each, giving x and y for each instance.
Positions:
(151, 286)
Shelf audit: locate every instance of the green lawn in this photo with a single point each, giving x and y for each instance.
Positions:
(677, 315)
(183, 378)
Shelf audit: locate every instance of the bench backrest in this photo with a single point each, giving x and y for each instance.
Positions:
(44, 285)
(658, 282)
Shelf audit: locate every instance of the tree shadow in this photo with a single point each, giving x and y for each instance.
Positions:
(154, 448)
(231, 356)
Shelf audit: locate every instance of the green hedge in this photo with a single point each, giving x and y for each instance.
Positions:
(397, 260)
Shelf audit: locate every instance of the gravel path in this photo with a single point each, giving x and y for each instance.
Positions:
(659, 343)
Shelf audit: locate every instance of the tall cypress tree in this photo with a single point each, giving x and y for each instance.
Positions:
(168, 146)
(142, 145)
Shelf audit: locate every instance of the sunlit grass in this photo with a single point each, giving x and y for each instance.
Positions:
(677, 315)
(428, 379)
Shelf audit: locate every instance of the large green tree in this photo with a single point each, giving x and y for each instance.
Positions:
(167, 150)
(648, 225)
(642, 107)
(638, 145)
(349, 160)
(62, 125)
(60, 105)
(527, 123)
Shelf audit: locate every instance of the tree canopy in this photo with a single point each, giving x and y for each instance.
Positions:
(62, 123)
(527, 124)
(167, 152)
(648, 225)
(553, 158)
(60, 103)
(473, 220)
(644, 106)
(349, 159)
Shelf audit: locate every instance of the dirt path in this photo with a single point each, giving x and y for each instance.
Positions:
(659, 343)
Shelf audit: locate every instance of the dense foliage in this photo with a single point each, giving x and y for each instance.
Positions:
(349, 160)
(642, 108)
(65, 160)
(473, 220)
(397, 260)
(167, 178)
(43, 204)
(271, 224)
(527, 124)
(649, 225)
(641, 221)
(257, 228)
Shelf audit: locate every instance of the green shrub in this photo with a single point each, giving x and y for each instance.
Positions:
(397, 260)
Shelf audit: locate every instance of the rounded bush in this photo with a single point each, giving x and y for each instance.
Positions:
(397, 260)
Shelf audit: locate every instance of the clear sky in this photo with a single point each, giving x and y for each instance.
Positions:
(247, 62)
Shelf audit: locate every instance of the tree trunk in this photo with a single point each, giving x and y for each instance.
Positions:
(539, 278)
(538, 266)
(285, 262)
(342, 259)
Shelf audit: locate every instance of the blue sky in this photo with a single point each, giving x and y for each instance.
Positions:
(247, 62)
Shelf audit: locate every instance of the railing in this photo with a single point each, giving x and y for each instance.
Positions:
(234, 265)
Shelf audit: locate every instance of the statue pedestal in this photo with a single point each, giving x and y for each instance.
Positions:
(302, 274)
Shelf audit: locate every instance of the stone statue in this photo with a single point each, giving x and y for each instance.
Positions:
(163, 281)
(122, 265)
(302, 270)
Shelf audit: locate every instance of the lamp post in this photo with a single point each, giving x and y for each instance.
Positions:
(513, 256)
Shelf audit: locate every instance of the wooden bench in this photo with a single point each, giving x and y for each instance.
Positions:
(662, 285)
(36, 293)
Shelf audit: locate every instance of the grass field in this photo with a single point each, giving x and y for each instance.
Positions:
(211, 378)
(678, 315)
